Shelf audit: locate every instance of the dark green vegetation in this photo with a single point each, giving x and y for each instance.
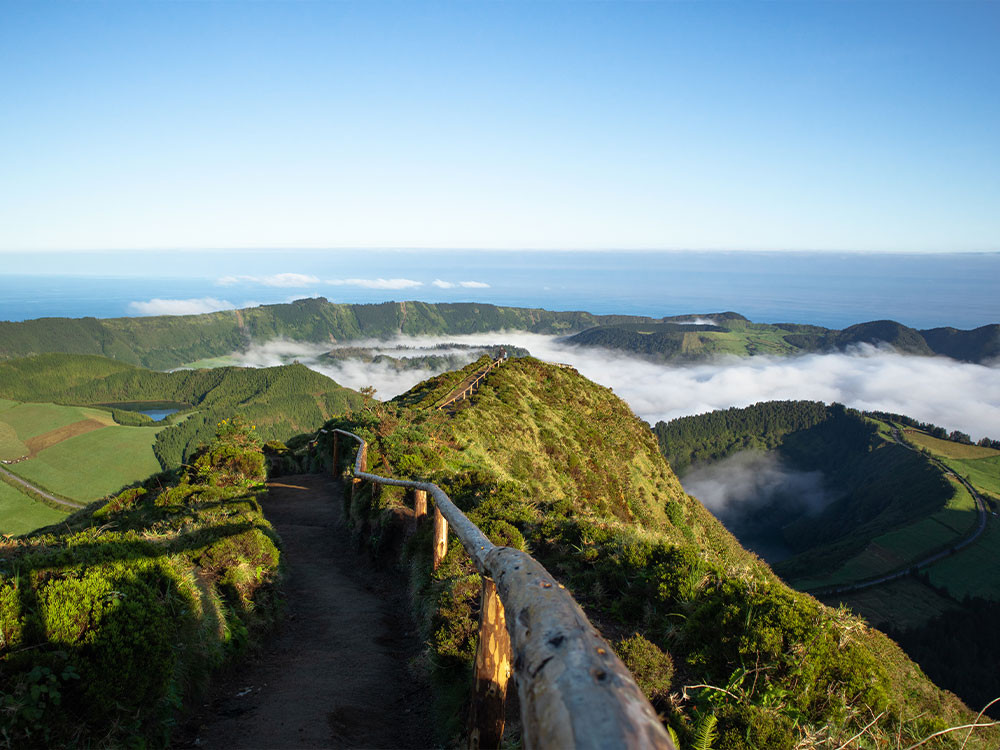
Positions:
(899, 505)
(279, 401)
(171, 341)
(111, 619)
(728, 333)
(892, 508)
(545, 460)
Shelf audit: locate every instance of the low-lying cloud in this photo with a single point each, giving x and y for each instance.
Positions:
(198, 306)
(755, 494)
(738, 485)
(440, 284)
(284, 280)
(376, 283)
(955, 395)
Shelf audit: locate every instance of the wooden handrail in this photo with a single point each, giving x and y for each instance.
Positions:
(467, 391)
(573, 690)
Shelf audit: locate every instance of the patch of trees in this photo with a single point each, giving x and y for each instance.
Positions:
(715, 435)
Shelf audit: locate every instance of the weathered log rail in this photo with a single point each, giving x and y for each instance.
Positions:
(574, 692)
(466, 390)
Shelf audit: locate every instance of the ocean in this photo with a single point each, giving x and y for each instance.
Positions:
(829, 289)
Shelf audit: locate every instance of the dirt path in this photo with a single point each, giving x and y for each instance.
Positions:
(335, 674)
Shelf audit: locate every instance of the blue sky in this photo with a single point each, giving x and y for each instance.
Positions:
(850, 126)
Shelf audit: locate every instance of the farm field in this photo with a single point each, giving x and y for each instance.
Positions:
(906, 603)
(972, 571)
(91, 465)
(31, 420)
(20, 514)
(948, 448)
(896, 549)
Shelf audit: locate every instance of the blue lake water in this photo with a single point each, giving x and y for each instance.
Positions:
(829, 289)
(158, 415)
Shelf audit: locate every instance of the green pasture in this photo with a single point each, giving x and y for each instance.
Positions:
(92, 465)
(6, 404)
(982, 473)
(10, 445)
(973, 570)
(947, 448)
(19, 514)
(905, 603)
(30, 420)
(901, 547)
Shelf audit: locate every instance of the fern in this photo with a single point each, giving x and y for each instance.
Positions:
(704, 733)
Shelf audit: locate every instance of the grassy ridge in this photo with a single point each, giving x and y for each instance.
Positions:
(169, 341)
(733, 334)
(545, 460)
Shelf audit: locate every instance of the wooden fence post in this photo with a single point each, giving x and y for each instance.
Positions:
(419, 505)
(440, 538)
(356, 482)
(336, 450)
(492, 672)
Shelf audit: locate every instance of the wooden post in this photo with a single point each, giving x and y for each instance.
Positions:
(356, 482)
(440, 538)
(419, 504)
(336, 450)
(492, 671)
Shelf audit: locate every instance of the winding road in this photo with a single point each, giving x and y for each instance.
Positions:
(73, 505)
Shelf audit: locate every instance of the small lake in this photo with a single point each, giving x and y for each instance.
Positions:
(155, 410)
(158, 415)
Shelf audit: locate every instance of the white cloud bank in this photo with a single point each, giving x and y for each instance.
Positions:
(376, 283)
(464, 284)
(285, 280)
(952, 394)
(180, 306)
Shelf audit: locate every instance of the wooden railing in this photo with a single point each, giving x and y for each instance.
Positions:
(471, 387)
(574, 692)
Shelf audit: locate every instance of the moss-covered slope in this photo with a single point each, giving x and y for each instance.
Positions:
(543, 458)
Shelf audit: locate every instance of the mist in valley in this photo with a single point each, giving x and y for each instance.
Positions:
(955, 395)
(754, 494)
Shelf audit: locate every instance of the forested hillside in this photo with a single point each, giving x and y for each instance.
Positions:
(279, 401)
(171, 341)
(730, 334)
(543, 459)
(899, 503)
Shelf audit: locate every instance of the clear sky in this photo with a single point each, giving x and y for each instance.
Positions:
(800, 125)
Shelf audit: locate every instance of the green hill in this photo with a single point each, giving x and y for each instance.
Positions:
(172, 341)
(896, 506)
(281, 401)
(114, 617)
(544, 459)
(727, 333)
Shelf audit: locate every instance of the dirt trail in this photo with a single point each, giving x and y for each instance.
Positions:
(335, 674)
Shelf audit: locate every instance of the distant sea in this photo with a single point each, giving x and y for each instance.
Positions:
(829, 289)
